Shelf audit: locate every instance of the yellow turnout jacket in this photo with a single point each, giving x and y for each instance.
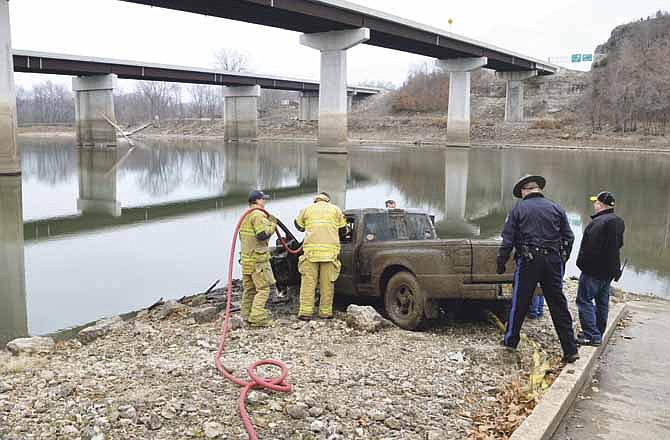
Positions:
(253, 250)
(321, 222)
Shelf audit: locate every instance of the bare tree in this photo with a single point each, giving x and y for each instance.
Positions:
(205, 100)
(159, 96)
(231, 60)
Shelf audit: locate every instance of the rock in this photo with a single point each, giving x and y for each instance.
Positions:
(144, 330)
(329, 353)
(275, 405)
(64, 390)
(101, 328)
(198, 301)
(315, 411)
(205, 314)
(170, 308)
(212, 429)
(256, 397)
(365, 318)
(236, 322)
(154, 422)
(70, 430)
(435, 434)
(377, 415)
(297, 411)
(168, 413)
(392, 423)
(5, 387)
(317, 426)
(34, 345)
(565, 136)
(128, 412)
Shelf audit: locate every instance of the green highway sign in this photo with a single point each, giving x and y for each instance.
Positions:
(587, 57)
(576, 58)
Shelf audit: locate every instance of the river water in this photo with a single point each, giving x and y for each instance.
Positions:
(101, 240)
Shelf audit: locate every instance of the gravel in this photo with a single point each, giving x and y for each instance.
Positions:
(155, 378)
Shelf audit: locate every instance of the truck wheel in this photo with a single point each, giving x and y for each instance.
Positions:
(404, 302)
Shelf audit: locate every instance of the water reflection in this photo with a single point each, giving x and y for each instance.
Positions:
(332, 176)
(13, 316)
(179, 201)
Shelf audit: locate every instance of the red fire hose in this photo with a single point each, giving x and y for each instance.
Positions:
(272, 383)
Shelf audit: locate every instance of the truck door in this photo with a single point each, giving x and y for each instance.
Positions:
(346, 284)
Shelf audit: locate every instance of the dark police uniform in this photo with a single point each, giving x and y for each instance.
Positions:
(539, 231)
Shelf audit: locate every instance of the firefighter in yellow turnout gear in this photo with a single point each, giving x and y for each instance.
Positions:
(323, 223)
(257, 278)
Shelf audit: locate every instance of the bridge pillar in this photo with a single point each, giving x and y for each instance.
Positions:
(93, 100)
(458, 119)
(10, 161)
(333, 90)
(241, 112)
(514, 95)
(309, 106)
(13, 316)
(97, 187)
(350, 100)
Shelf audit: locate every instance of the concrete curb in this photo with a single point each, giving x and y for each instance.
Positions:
(547, 415)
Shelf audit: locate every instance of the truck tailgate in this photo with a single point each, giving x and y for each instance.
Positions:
(484, 254)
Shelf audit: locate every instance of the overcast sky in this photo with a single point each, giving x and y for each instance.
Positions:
(115, 29)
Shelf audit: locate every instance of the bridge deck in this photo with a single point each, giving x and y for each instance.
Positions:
(61, 64)
(386, 30)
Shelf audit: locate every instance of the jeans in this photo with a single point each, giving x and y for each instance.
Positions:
(536, 307)
(593, 319)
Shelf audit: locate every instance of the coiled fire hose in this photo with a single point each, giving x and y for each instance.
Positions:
(272, 383)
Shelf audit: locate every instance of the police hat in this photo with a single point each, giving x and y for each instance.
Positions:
(256, 194)
(541, 182)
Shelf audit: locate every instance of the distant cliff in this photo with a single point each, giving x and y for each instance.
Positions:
(630, 78)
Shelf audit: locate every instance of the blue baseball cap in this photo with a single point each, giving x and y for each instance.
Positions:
(256, 194)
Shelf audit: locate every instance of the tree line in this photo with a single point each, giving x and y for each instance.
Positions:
(630, 78)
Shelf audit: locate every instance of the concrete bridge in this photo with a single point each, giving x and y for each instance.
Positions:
(333, 26)
(96, 78)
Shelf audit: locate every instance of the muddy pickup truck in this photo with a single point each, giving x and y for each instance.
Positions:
(395, 254)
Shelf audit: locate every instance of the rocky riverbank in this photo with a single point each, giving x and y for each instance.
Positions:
(153, 377)
(398, 129)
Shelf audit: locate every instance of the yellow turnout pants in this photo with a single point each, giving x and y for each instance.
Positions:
(256, 287)
(325, 272)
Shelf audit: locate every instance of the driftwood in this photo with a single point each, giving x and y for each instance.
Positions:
(156, 304)
(138, 129)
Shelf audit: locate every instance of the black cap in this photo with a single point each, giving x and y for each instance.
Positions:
(256, 194)
(604, 197)
(541, 182)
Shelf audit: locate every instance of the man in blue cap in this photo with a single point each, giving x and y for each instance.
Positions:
(257, 278)
(539, 231)
(600, 263)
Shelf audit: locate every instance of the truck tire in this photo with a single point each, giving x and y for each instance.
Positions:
(404, 301)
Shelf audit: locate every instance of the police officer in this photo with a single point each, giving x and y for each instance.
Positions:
(538, 230)
(323, 224)
(257, 278)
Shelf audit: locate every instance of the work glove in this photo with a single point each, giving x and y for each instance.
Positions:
(500, 268)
